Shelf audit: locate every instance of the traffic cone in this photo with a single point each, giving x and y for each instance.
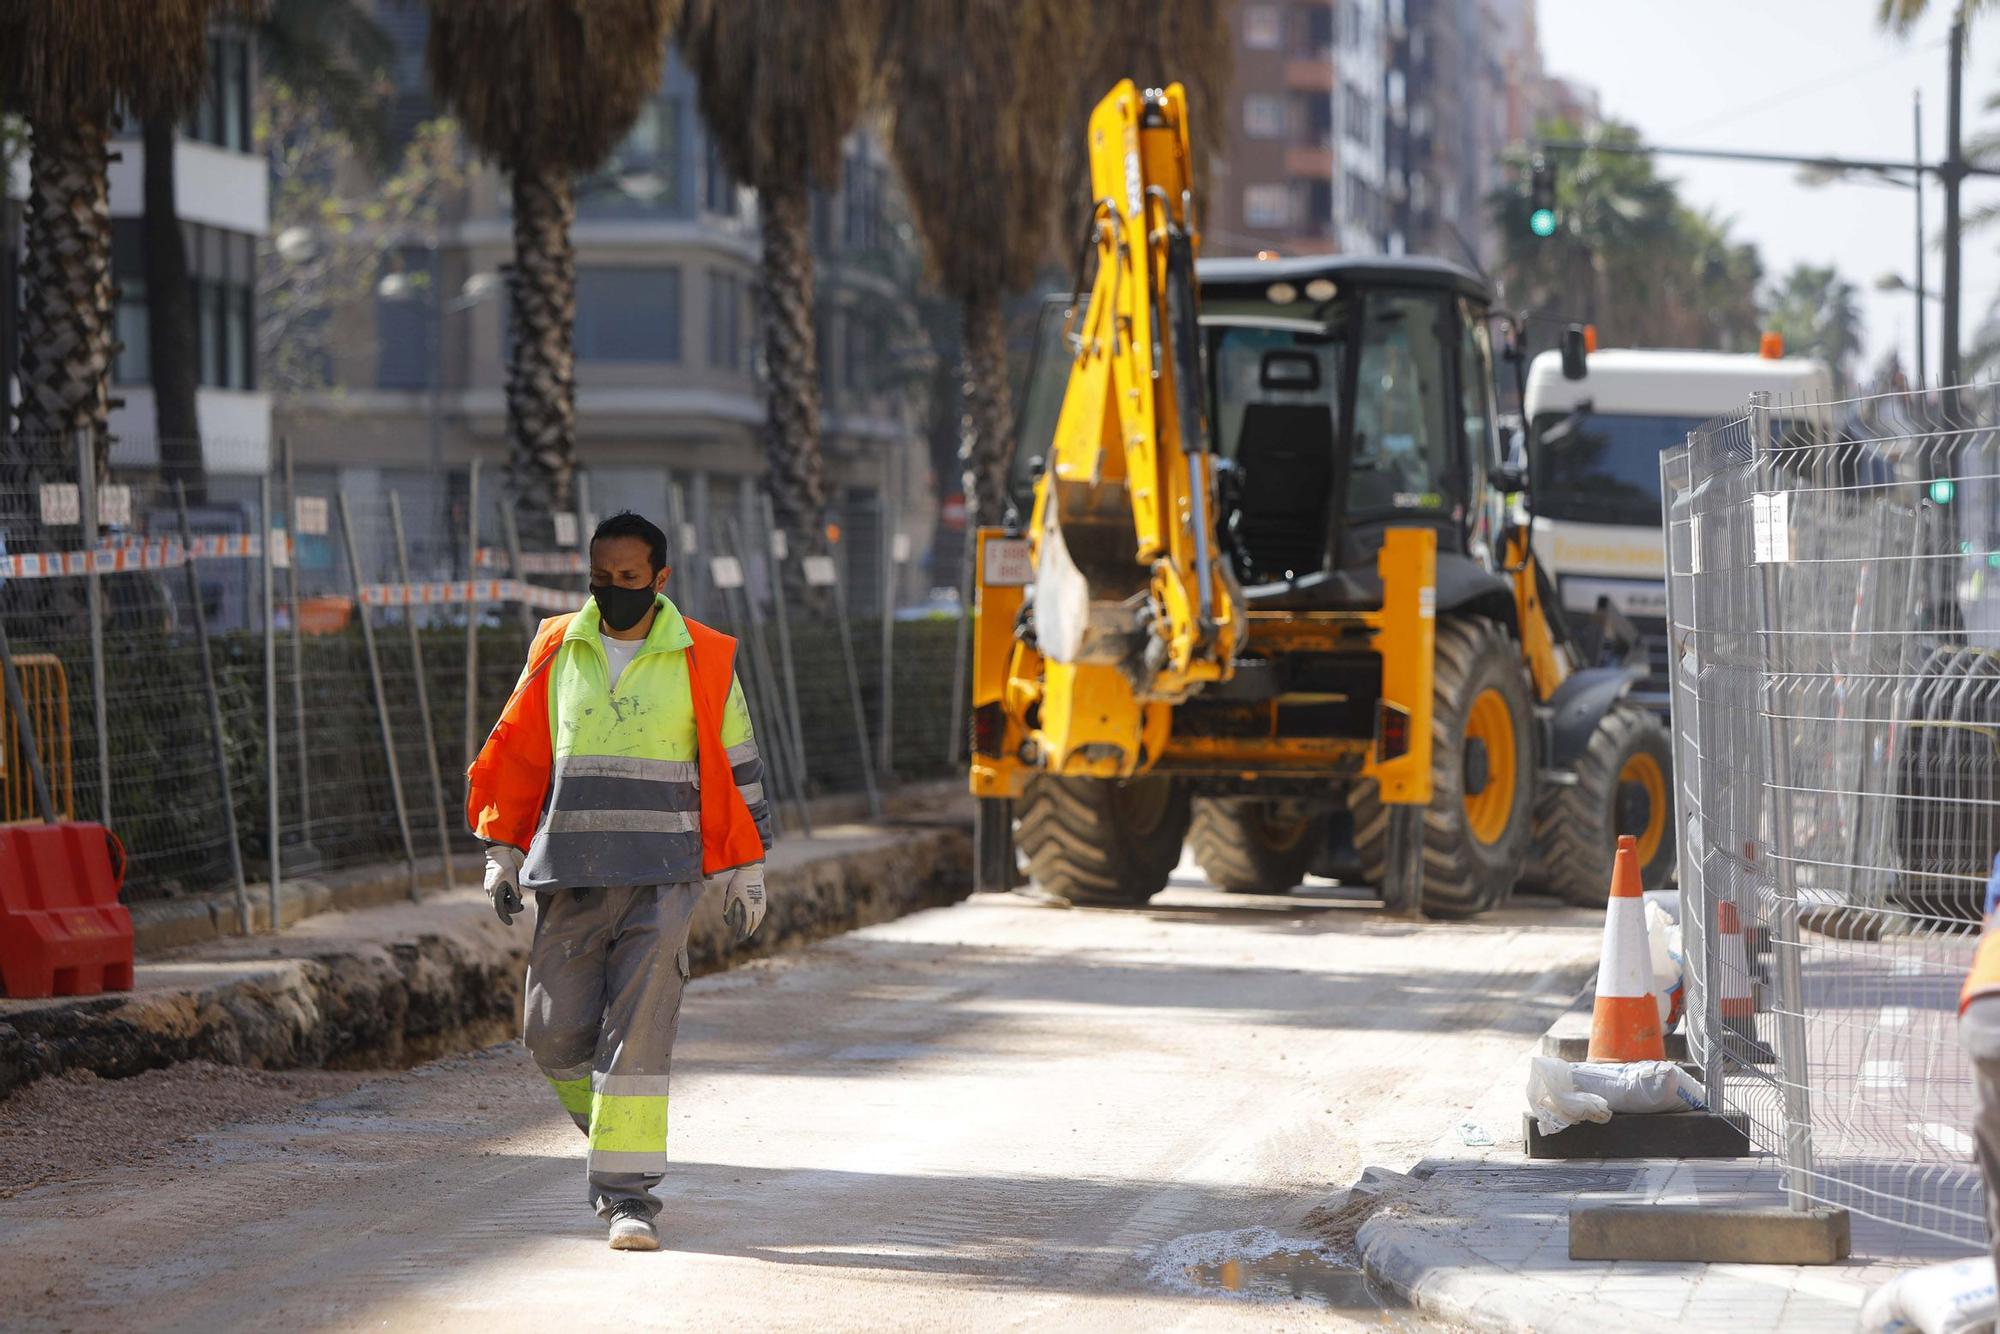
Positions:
(1625, 1026)
(1735, 998)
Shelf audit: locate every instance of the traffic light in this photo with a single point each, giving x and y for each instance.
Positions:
(1541, 198)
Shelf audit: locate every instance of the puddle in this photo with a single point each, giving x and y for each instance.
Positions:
(1259, 1265)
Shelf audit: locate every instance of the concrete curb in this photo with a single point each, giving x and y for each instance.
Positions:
(394, 985)
(159, 925)
(1416, 1246)
(1434, 1274)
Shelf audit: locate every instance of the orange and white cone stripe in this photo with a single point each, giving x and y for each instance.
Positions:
(1734, 998)
(1625, 1026)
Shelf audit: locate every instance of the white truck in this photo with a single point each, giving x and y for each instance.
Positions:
(1595, 441)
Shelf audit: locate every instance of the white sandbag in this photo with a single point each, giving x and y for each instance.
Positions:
(1639, 1086)
(1953, 1298)
(1554, 1100)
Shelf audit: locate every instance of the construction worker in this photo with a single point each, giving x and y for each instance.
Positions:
(620, 782)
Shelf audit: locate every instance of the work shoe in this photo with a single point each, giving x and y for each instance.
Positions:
(632, 1228)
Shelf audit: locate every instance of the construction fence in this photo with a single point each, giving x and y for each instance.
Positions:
(1834, 612)
(260, 670)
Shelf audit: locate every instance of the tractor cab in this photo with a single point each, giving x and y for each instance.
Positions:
(1345, 397)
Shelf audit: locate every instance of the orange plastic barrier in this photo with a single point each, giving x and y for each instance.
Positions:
(62, 930)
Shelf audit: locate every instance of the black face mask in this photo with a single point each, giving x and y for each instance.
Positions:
(622, 608)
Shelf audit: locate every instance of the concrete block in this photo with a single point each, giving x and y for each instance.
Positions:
(1663, 1135)
(1702, 1234)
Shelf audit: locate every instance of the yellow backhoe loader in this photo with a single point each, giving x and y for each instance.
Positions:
(1261, 589)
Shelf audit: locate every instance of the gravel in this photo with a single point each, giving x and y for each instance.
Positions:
(77, 1125)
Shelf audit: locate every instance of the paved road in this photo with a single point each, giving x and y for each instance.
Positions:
(991, 1115)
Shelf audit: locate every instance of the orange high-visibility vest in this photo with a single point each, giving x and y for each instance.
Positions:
(508, 783)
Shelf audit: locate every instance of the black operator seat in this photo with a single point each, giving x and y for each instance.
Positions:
(1284, 461)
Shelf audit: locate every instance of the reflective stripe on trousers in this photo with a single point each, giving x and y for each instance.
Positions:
(605, 977)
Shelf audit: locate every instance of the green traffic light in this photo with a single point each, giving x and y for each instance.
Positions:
(1542, 222)
(1942, 490)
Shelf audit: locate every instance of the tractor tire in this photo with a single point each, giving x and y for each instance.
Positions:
(1247, 846)
(1946, 815)
(1476, 843)
(1623, 786)
(1102, 842)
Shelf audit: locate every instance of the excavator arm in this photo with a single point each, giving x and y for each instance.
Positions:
(1129, 606)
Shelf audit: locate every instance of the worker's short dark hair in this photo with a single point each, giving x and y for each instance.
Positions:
(627, 524)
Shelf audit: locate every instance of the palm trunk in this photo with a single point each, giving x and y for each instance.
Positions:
(987, 434)
(66, 348)
(797, 473)
(541, 371)
(170, 319)
(66, 339)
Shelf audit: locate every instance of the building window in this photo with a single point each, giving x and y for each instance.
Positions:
(718, 189)
(402, 324)
(1317, 22)
(861, 200)
(1358, 109)
(628, 314)
(725, 320)
(1319, 207)
(1314, 111)
(1264, 116)
(222, 116)
(220, 270)
(1267, 205)
(1263, 30)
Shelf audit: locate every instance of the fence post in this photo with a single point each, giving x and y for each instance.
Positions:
(765, 687)
(958, 729)
(214, 713)
(86, 503)
(511, 530)
(684, 543)
(892, 556)
(308, 854)
(781, 605)
(423, 690)
(1786, 946)
(854, 691)
(381, 693)
(269, 547)
(472, 616)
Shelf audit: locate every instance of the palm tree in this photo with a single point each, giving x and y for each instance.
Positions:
(782, 84)
(1815, 310)
(547, 88)
(1153, 43)
(67, 70)
(969, 84)
(1902, 15)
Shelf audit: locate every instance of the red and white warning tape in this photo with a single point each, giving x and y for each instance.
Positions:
(469, 590)
(171, 554)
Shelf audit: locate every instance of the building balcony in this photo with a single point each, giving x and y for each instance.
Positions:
(1312, 163)
(1309, 76)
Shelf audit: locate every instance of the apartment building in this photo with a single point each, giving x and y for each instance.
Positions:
(222, 197)
(667, 366)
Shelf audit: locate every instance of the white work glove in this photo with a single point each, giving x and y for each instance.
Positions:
(743, 899)
(503, 881)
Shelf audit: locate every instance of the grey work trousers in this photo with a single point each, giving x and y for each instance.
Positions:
(605, 975)
(1979, 1030)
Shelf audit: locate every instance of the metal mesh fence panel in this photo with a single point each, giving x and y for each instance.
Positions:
(1836, 703)
(310, 731)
